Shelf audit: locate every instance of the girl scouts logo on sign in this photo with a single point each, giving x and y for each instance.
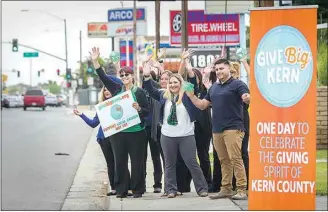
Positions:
(116, 112)
(283, 66)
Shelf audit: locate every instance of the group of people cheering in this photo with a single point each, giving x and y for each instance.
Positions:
(180, 114)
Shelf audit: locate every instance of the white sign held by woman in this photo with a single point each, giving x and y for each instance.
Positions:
(117, 114)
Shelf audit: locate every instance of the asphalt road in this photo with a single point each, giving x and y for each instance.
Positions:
(33, 177)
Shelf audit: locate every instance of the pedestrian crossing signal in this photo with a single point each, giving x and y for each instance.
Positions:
(15, 45)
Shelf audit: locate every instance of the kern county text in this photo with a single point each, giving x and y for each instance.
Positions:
(284, 155)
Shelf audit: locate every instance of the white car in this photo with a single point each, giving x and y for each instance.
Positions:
(13, 101)
(51, 100)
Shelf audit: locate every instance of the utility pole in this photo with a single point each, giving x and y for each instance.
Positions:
(81, 66)
(157, 24)
(135, 42)
(184, 28)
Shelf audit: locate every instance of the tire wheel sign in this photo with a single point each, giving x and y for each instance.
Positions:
(201, 59)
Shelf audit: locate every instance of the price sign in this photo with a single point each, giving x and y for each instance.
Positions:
(203, 58)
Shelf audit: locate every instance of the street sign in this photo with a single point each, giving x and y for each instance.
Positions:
(31, 54)
(126, 14)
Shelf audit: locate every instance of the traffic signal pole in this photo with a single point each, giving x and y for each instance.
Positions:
(31, 75)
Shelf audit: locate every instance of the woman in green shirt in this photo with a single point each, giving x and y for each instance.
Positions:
(130, 141)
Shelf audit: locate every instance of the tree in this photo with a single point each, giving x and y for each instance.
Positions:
(54, 88)
(322, 15)
(83, 73)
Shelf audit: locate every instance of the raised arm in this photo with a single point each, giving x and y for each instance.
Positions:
(109, 83)
(143, 103)
(147, 85)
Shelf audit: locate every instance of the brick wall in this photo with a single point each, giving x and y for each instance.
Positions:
(322, 120)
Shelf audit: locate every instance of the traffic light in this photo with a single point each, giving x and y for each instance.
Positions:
(39, 73)
(58, 72)
(18, 74)
(90, 67)
(68, 74)
(15, 45)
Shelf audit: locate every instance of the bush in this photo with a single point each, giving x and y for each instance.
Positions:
(322, 63)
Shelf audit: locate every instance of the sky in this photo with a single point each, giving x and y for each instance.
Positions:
(45, 32)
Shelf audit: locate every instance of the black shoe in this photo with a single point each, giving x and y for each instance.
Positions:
(121, 196)
(112, 193)
(213, 190)
(137, 195)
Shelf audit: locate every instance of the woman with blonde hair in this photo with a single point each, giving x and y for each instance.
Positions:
(177, 132)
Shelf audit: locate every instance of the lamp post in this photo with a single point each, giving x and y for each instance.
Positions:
(65, 28)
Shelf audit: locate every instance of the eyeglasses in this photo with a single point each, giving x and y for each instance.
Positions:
(124, 75)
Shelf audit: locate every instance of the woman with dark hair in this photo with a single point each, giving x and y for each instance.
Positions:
(130, 141)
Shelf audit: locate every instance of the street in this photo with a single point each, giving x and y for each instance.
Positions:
(33, 177)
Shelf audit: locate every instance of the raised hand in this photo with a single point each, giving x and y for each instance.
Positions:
(146, 69)
(187, 53)
(94, 54)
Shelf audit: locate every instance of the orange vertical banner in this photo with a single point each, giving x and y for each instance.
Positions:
(283, 49)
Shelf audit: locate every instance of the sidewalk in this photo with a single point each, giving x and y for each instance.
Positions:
(90, 186)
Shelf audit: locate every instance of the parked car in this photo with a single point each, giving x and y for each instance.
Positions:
(61, 99)
(4, 101)
(13, 101)
(51, 100)
(34, 98)
(20, 101)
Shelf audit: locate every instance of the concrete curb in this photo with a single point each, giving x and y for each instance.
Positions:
(89, 188)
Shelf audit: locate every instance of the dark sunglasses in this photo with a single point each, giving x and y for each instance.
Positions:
(122, 75)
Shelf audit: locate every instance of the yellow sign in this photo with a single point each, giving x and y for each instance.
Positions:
(4, 78)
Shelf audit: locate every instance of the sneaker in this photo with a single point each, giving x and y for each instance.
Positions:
(164, 195)
(203, 194)
(112, 193)
(157, 190)
(239, 196)
(222, 194)
(171, 195)
(130, 194)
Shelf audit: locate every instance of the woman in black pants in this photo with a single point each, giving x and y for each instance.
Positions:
(130, 141)
(103, 142)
